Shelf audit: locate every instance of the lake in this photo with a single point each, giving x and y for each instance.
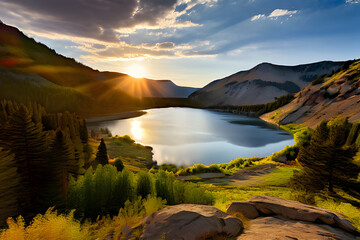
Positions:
(185, 136)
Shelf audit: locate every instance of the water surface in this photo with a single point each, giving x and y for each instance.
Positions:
(185, 136)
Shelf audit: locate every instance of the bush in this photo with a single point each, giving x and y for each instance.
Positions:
(105, 190)
(101, 192)
(144, 184)
(119, 164)
(43, 227)
(199, 168)
(238, 164)
(164, 186)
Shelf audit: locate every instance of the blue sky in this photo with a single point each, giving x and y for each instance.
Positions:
(191, 42)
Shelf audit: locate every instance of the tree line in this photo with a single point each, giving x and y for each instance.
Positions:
(259, 109)
(38, 152)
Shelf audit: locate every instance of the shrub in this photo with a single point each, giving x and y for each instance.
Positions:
(144, 184)
(164, 186)
(119, 164)
(199, 168)
(106, 190)
(101, 192)
(43, 227)
(238, 164)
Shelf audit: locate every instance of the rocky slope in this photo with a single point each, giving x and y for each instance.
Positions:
(262, 83)
(328, 97)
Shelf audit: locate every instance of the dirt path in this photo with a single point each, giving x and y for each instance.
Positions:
(202, 176)
(246, 177)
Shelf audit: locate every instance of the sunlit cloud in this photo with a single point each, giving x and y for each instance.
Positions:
(275, 14)
(281, 12)
(257, 17)
(352, 1)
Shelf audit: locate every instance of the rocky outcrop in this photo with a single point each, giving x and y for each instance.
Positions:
(270, 218)
(190, 222)
(293, 210)
(334, 96)
(276, 218)
(279, 228)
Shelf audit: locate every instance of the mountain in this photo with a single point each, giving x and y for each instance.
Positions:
(30, 70)
(144, 87)
(327, 97)
(261, 84)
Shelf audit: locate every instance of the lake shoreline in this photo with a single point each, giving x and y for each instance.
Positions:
(186, 136)
(116, 116)
(248, 114)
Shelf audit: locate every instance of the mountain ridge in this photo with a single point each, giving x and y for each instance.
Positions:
(243, 87)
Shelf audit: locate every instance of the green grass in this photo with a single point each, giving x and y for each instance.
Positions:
(275, 184)
(278, 177)
(135, 157)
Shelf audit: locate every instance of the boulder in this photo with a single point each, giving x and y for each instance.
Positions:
(294, 210)
(190, 222)
(278, 227)
(282, 159)
(246, 209)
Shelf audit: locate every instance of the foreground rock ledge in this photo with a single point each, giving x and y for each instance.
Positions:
(270, 218)
(277, 218)
(263, 205)
(190, 222)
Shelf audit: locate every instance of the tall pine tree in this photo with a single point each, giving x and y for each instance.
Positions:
(9, 186)
(62, 162)
(327, 160)
(29, 144)
(101, 155)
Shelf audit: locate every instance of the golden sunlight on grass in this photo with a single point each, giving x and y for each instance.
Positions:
(136, 71)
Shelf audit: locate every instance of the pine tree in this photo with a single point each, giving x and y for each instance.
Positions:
(101, 155)
(326, 160)
(84, 135)
(62, 163)
(9, 186)
(29, 144)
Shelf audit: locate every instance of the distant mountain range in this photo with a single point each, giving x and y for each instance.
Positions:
(261, 84)
(30, 70)
(327, 97)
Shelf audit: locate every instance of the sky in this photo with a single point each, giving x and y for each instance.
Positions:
(191, 42)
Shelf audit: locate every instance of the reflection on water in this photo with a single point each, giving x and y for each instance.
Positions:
(137, 132)
(185, 136)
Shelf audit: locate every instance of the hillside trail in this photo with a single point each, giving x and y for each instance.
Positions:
(245, 177)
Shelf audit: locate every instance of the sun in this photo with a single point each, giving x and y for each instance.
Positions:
(136, 71)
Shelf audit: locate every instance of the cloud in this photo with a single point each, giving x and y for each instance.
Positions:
(165, 45)
(101, 20)
(195, 53)
(281, 12)
(275, 14)
(257, 17)
(352, 1)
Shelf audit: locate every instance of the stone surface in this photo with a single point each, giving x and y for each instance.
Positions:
(277, 227)
(190, 222)
(298, 211)
(246, 209)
